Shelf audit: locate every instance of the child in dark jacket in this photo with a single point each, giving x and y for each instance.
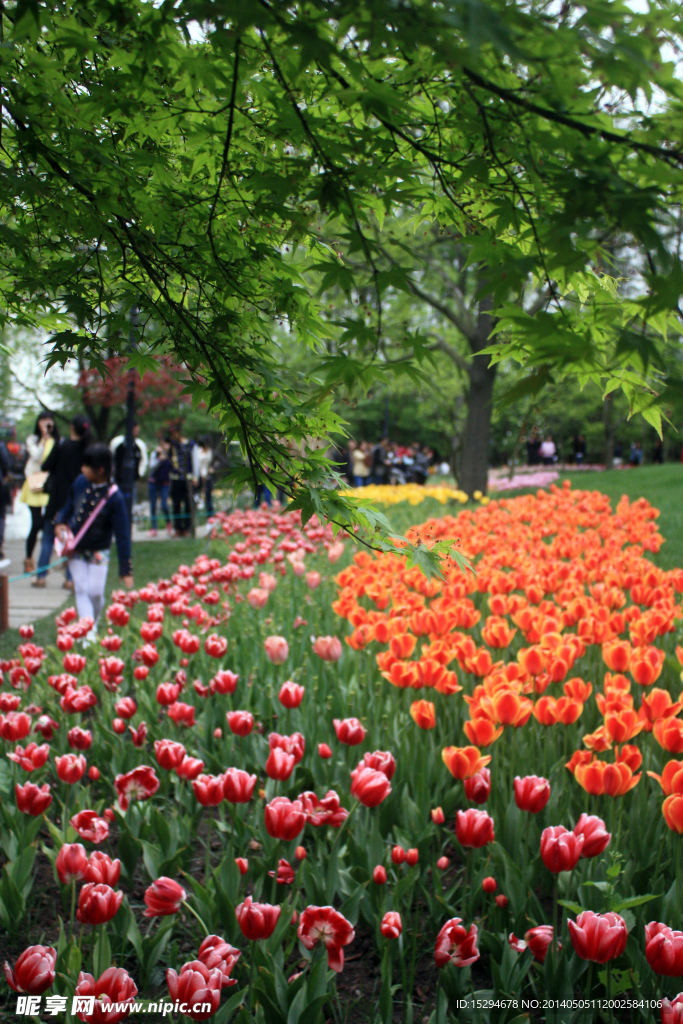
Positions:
(89, 562)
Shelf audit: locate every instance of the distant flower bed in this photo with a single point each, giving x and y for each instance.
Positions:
(414, 494)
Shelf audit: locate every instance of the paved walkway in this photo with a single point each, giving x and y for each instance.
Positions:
(27, 603)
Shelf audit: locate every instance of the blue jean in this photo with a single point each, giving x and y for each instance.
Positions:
(359, 481)
(160, 491)
(46, 549)
(262, 495)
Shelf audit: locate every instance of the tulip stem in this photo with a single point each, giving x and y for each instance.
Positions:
(252, 970)
(589, 988)
(195, 914)
(678, 874)
(608, 967)
(73, 909)
(207, 865)
(556, 937)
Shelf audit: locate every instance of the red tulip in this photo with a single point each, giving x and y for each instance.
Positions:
(501, 900)
(215, 646)
(438, 817)
(489, 884)
(279, 765)
(79, 739)
(182, 714)
(537, 939)
(442, 863)
(328, 648)
(671, 1012)
(196, 986)
(90, 826)
(257, 920)
(300, 853)
(284, 874)
(26, 632)
(291, 695)
(277, 649)
(208, 789)
(243, 864)
(97, 903)
(240, 722)
(598, 937)
(102, 869)
(217, 954)
(164, 897)
(284, 819)
(412, 857)
(238, 786)
(294, 744)
(349, 731)
(560, 849)
(531, 793)
(140, 783)
(455, 944)
(324, 751)
(398, 855)
(478, 787)
(379, 875)
(114, 988)
(474, 828)
(664, 949)
(595, 835)
(167, 693)
(119, 726)
(70, 768)
(323, 924)
(15, 726)
(34, 971)
(391, 925)
(32, 757)
(224, 682)
(381, 761)
(189, 768)
(126, 707)
(370, 787)
(71, 863)
(32, 799)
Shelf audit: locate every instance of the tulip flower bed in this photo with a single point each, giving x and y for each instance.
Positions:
(222, 810)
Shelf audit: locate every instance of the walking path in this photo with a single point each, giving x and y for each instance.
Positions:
(27, 603)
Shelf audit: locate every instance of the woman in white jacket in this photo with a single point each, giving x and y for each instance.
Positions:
(38, 444)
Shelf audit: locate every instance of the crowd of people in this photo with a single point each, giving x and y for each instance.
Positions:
(386, 463)
(74, 490)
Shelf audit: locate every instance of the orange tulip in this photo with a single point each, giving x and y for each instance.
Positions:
(403, 674)
(422, 713)
(669, 734)
(568, 710)
(617, 655)
(531, 660)
(646, 665)
(402, 646)
(577, 689)
(622, 725)
(672, 809)
(464, 762)
(658, 704)
(591, 777)
(497, 632)
(599, 778)
(671, 779)
(578, 757)
(482, 731)
(480, 663)
(630, 755)
(597, 741)
(511, 709)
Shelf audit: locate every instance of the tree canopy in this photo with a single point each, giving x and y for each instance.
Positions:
(178, 159)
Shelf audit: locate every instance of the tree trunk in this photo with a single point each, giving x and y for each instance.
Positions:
(474, 465)
(474, 461)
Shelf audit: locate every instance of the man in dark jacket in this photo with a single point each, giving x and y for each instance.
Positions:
(5, 467)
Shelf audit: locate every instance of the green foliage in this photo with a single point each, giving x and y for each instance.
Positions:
(152, 166)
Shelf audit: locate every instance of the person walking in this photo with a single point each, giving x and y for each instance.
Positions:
(205, 471)
(361, 465)
(183, 456)
(140, 455)
(159, 485)
(94, 511)
(63, 464)
(548, 451)
(39, 444)
(5, 496)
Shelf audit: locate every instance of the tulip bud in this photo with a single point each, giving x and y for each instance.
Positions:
(324, 751)
(243, 864)
(438, 817)
(93, 773)
(300, 853)
(442, 863)
(412, 857)
(501, 901)
(379, 875)
(119, 726)
(489, 884)
(217, 734)
(109, 814)
(398, 855)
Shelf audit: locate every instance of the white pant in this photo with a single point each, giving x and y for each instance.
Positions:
(89, 582)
